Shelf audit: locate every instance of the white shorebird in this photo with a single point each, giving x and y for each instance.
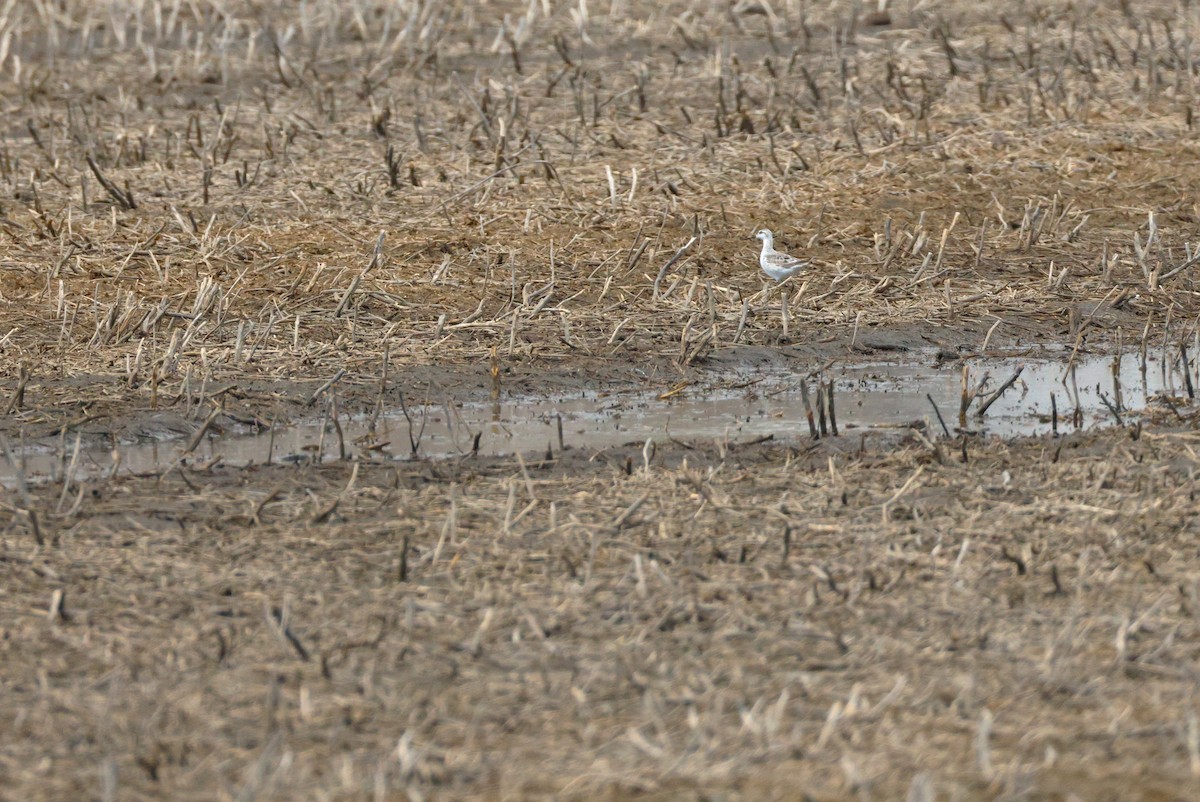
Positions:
(778, 266)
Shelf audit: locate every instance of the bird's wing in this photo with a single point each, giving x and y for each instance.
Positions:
(782, 261)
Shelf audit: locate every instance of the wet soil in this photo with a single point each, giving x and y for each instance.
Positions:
(104, 409)
(494, 196)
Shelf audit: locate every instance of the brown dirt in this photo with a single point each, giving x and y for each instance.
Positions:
(767, 624)
(1021, 626)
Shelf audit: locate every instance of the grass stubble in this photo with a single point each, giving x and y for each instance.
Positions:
(217, 214)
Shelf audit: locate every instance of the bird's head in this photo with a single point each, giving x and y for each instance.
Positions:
(765, 235)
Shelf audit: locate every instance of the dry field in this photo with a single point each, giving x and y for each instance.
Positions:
(224, 213)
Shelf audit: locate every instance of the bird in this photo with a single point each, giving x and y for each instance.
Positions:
(775, 264)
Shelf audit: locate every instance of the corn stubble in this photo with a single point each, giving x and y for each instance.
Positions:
(237, 212)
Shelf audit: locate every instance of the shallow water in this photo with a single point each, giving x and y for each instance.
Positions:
(737, 406)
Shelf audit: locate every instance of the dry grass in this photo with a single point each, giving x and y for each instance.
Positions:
(963, 164)
(767, 623)
(254, 206)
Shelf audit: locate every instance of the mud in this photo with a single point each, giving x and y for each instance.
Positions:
(268, 269)
(1052, 392)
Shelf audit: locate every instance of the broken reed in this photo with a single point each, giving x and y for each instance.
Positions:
(823, 422)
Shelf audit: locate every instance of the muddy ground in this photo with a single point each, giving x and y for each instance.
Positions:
(774, 622)
(224, 216)
(97, 409)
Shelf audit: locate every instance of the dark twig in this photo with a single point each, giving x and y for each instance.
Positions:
(123, 197)
(938, 412)
(312, 399)
(983, 408)
(1109, 405)
(670, 262)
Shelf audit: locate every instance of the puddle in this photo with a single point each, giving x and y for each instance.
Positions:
(738, 406)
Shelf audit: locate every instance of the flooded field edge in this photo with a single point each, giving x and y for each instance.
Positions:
(1005, 396)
